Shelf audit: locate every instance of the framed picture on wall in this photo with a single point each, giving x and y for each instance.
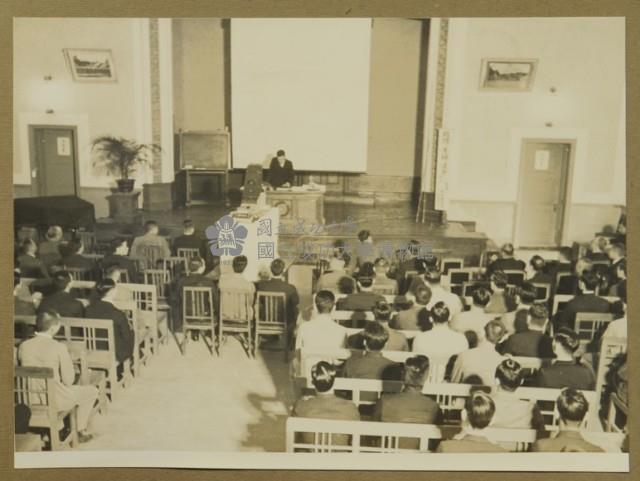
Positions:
(91, 65)
(508, 75)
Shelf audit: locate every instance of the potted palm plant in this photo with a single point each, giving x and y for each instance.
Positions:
(120, 157)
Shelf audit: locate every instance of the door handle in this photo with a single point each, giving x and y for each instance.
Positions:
(34, 173)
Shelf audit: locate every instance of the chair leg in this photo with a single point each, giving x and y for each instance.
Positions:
(185, 339)
(113, 383)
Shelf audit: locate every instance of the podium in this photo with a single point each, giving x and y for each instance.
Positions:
(297, 205)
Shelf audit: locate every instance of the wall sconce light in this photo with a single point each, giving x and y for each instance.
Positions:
(548, 124)
(49, 111)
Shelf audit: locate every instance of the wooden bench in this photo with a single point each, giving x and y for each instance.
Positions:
(146, 298)
(142, 335)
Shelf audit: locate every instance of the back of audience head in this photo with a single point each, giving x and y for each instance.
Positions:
(196, 265)
(61, 280)
(527, 293)
(364, 236)
(416, 370)
(616, 251)
(381, 265)
(104, 287)
(509, 375)
(538, 316)
(507, 250)
(494, 331)
(345, 285)
(367, 269)
(566, 341)
(618, 309)
(277, 267)
(479, 409)
(481, 296)
(565, 254)
(424, 320)
(239, 264)
(572, 407)
(187, 227)
(423, 295)
(46, 320)
(382, 311)
(325, 300)
(499, 279)
(323, 374)
(54, 233)
(537, 263)
(440, 313)
(589, 281)
(151, 227)
(375, 336)
(472, 338)
(29, 246)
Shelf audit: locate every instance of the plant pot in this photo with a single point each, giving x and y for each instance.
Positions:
(125, 185)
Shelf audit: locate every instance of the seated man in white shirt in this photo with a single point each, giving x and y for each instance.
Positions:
(482, 360)
(441, 342)
(524, 299)
(321, 332)
(512, 412)
(330, 280)
(475, 319)
(381, 280)
(440, 294)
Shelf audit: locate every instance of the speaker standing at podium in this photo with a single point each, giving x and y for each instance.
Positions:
(280, 171)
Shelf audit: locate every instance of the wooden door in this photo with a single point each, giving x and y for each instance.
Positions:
(54, 161)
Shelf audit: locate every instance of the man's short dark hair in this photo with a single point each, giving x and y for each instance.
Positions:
(510, 374)
(500, 279)
(345, 285)
(195, 264)
(568, 339)
(239, 264)
(590, 280)
(480, 409)
(424, 320)
(481, 296)
(572, 405)
(61, 280)
(325, 301)
(382, 311)
(538, 314)
(507, 249)
(150, 224)
(367, 270)
(527, 293)
(46, 319)
(104, 286)
(277, 267)
(323, 375)
(440, 313)
(187, 224)
(375, 336)
(280, 152)
(363, 235)
(423, 295)
(416, 369)
(537, 263)
(365, 281)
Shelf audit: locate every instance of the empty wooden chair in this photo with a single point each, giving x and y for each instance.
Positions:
(271, 319)
(146, 299)
(198, 314)
(141, 334)
(236, 317)
(187, 253)
(35, 387)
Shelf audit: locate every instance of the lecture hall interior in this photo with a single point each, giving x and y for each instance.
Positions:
(320, 235)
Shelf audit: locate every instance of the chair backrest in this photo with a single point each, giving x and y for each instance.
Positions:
(158, 278)
(236, 305)
(559, 301)
(130, 309)
(34, 386)
(451, 263)
(88, 240)
(271, 310)
(560, 283)
(197, 304)
(546, 399)
(591, 325)
(79, 273)
(96, 258)
(543, 291)
(146, 300)
(149, 255)
(385, 290)
(187, 253)
(347, 317)
(459, 276)
(97, 337)
(323, 433)
(175, 266)
(514, 277)
(82, 289)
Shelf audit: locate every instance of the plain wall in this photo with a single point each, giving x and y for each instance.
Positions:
(583, 59)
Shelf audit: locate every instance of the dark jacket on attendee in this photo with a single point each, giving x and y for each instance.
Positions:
(528, 343)
(506, 264)
(326, 406)
(22, 307)
(191, 241)
(278, 175)
(78, 261)
(123, 262)
(613, 272)
(581, 303)
(122, 331)
(32, 267)
(64, 303)
(370, 365)
(290, 293)
(359, 301)
(563, 374)
(541, 278)
(407, 407)
(565, 441)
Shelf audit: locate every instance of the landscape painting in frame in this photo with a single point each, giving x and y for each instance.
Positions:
(91, 65)
(508, 74)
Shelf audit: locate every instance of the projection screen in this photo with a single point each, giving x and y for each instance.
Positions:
(301, 85)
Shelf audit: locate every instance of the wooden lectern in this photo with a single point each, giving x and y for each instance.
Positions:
(298, 205)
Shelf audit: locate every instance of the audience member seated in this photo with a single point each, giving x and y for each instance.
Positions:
(21, 306)
(364, 249)
(566, 370)
(572, 408)
(524, 298)
(500, 302)
(475, 319)
(61, 300)
(506, 262)
(478, 412)
(531, 342)
(597, 249)
(152, 239)
(371, 364)
(482, 360)
(408, 261)
(189, 239)
(407, 319)
(235, 280)
(587, 301)
(441, 341)
(621, 276)
(44, 351)
(278, 284)
(195, 278)
(432, 277)
(102, 308)
(616, 255)
(617, 329)
(50, 248)
(321, 332)
(29, 264)
(74, 257)
(119, 257)
(325, 404)
(397, 340)
(337, 270)
(381, 280)
(410, 405)
(538, 267)
(365, 299)
(511, 411)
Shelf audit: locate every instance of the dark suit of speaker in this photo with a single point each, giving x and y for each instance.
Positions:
(279, 175)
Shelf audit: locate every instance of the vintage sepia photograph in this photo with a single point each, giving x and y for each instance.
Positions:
(319, 243)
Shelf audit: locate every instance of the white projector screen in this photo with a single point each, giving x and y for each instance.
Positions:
(301, 85)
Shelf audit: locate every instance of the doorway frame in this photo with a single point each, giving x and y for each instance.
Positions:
(568, 187)
(33, 162)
